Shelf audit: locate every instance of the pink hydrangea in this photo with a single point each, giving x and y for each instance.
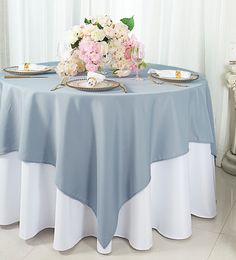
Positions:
(129, 44)
(90, 52)
(134, 51)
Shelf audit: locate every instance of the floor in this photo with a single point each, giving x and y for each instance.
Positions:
(211, 240)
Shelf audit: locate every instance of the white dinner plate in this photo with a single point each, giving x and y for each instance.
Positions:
(192, 77)
(82, 84)
(15, 70)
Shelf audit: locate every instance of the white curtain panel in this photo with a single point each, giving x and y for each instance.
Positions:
(3, 34)
(36, 27)
(219, 33)
(193, 34)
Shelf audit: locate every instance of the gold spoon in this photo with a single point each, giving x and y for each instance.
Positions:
(61, 84)
(23, 77)
(123, 87)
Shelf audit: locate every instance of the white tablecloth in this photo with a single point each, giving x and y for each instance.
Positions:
(179, 187)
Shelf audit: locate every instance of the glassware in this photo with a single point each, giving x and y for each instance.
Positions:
(105, 61)
(63, 51)
(137, 56)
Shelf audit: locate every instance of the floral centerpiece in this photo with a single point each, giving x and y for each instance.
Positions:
(100, 42)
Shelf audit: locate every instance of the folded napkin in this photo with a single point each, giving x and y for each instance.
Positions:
(171, 73)
(94, 78)
(31, 67)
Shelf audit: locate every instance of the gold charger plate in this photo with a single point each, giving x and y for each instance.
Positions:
(14, 70)
(82, 84)
(193, 77)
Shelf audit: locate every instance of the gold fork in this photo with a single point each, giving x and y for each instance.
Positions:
(159, 82)
(23, 77)
(61, 84)
(155, 81)
(123, 87)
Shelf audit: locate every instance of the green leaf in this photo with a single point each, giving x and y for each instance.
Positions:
(106, 40)
(129, 22)
(76, 44)
(142, 65)
(99, 26)
(87, 21)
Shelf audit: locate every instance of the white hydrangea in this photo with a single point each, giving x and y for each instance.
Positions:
(97, 35)
(116, 46)
(74, 34)
(104, 48)
(71, 37)
(121, 31)
(78, 30)
(88, 29)
(109, 31)
(121, 64)
(102, 20)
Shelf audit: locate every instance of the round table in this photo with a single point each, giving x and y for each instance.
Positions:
(105, 164)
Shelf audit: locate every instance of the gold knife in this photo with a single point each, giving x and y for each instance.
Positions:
(23, 77)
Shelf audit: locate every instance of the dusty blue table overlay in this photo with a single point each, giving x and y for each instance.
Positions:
(102, 144)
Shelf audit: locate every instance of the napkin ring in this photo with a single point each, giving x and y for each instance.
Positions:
(26, 66)
(92, 81)
(178, 74)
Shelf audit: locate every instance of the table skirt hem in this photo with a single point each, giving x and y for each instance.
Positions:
(178, 188)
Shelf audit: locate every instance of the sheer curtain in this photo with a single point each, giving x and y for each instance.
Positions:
(35, 27)
(194, 34)
(4, 59)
